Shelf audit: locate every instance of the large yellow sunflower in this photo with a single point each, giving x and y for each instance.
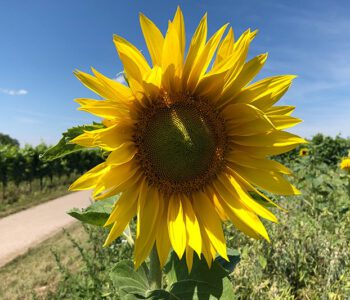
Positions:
(188, 139)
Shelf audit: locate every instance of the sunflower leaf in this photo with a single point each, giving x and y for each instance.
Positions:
(131, 283)
(95, 214)
(202, 283)
(63, 147)
(234, 259)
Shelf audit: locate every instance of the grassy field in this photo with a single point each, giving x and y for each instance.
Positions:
(36, 273)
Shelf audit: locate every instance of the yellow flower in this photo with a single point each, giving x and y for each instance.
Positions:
(188, 140)
(304, 152)
(345, 164)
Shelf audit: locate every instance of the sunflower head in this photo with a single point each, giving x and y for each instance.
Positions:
(345, 164)
(304, 152)
(188, 140)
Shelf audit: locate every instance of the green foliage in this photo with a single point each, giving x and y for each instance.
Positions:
(308, 257)
(6, 140)
(93, 280)
(96, 214)
(64, 147)
(20, 167)
(200, 283)
(322, 149)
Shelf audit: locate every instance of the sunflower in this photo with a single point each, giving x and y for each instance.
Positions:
(304, 152)
(345, 164)
(189, 140)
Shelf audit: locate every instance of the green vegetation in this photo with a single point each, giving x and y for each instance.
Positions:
(27, 180)
(35, 274)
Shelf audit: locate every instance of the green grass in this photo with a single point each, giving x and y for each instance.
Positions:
(36, 272)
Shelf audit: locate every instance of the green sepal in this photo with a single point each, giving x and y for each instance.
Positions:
(63, 147)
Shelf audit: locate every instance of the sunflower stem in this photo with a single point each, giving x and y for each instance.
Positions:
(155, 272)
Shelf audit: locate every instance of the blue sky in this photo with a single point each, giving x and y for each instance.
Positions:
(42, 42)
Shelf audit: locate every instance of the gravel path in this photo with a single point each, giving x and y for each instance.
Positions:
(22, 230)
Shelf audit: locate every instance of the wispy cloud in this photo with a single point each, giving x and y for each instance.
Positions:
(11, 92)
(120, 78)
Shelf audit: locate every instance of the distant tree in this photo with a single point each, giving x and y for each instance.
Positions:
(6, 140)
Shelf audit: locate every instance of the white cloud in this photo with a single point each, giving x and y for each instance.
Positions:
(120, 78)
(10, 92)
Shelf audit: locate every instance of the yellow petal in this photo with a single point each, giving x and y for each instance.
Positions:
(189, 258)
(253, 189)
(240, 113)
(93, 84)
(106, 138)
(148, 211)
(226, 47)
(122, 155)
(204, 58)
(115, 177)
(217, 204)
(176, 225)
(261, 151)
(194, 239)
(280, 110)
(196, 46)
(132, 180)
(264, 93)
(154, 39)
(283, 122)
(102, 108)
(179, 25)
(258, 126)
(267, 180)
(239, 56)
(89, 179)
(274, 138)
(246, 75)
(163, 242)
(152, 83)
(119, 92)
(246, 160)
(235, 210)
(247, 200)
(123, 211)
(211, 222)
(207, 248)
(135, 65)
(211, 86)
(171, 60)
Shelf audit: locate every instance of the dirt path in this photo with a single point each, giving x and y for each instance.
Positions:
(20, 231)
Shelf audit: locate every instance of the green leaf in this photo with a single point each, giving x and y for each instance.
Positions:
(234, 258)
(131, 283)
(201, 283)
(97, 213)
(63, 147)
(262, 261)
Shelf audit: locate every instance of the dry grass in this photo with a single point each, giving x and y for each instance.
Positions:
(36, 272)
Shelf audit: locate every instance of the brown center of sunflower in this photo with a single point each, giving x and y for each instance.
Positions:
(180, 143)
